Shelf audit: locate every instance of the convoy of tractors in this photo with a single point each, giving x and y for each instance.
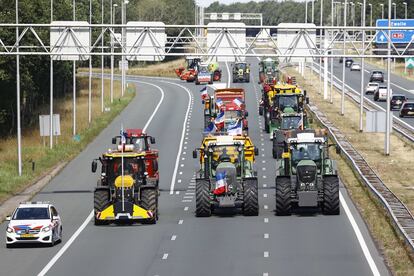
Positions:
(127, 190)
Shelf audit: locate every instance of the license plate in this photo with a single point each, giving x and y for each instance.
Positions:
(27, 235)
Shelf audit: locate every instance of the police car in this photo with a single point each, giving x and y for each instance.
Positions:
(34, 222)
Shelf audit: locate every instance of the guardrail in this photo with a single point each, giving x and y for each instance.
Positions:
(401, 217)
(399, 125)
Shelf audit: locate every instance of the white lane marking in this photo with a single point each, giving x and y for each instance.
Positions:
(91, 214)
(263, 161)
(190, 193)
(179, 181)
(180, 221)
(266, 207)
(186, 208)
(264, 195)
(359, 236)
(263, 169)
(177, 192)
(264, 176)
(265, 274)
(165, 256)
(228, 74)
(66, 246)
(182, 165)
(266, 235)
(173, 237)
(182, 136)
(180, 173)
(186, 200)
(184, 152)
(264, 185)
(185, 147)
(188, 197)
(266, 220)
(266, 254)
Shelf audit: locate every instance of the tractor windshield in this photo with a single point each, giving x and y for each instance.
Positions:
(284, 101)
(241, 66)
(225, 154)
(131, 166)
(305, 151)
(232, 114)
(291, 122)
(139, 143)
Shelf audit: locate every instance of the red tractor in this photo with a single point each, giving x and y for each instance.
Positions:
(139, 142)
(190, 73)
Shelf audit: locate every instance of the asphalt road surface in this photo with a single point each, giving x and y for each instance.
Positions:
(181, 244)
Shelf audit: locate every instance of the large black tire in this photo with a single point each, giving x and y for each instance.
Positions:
(149, 201)
(250, 197)
(266, 123)
(203, 205)
(283, 199)
(331, 195)
(100, 201)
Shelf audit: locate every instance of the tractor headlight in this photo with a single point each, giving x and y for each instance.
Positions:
(9, 229)
(302, 185)
(46, 229)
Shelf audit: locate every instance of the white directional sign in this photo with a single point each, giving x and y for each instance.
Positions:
(296, 41)
(146, 42)
(226, 39)
(70, 40)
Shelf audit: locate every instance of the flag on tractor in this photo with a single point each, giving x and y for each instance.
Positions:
(204, 93)
(220, 183)
(236, 128)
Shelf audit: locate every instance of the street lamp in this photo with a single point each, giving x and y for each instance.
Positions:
(113, 9)
(405, 9)
(370, 14)
(395, 10)
(352, 13)
(359, 3)
(124, 3)
(382, 11)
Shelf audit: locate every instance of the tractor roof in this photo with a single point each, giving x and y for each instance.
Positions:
(135, 132)
(127, 152)
(307, 136)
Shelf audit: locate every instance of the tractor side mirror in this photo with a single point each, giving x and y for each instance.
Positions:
(55, 218)
(202, 102)
(114, 141)
(8, 218)
(194, 154)
(261, 110)
(256, 151)
(152, 140)
(246, 113)
(338, 149)
(304, 92)
(307, 100)
(94, 166)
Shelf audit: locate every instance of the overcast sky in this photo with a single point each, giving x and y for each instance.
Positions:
(206, 3)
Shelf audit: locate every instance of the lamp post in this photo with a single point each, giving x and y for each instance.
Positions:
(395, 10)
(102, 57)
(343, 65)
(405, 9)
(124, 3)
(74, 80)
(313, 11)
(113, 9)
(306, 11)
(382, 11)
(361, 98)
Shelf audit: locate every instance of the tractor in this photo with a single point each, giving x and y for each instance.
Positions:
(306, 177)
(241, 72)
(226, 178)
(268, 70)
(190, 73)
(125, 193)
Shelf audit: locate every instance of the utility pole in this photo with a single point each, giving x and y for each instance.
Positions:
(19, 130)
(395, 10)
(361, 98)
(343, 66)
(113, 7)
(306, 11)
(405, 9)
(382, 11)
(102, 58)
(51, 87)
(388, 119)
(90, 67)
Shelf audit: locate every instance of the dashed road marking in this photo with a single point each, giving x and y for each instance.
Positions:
(265, 207)
(177, 192)
(187, 197)
(264, 176)
(263, 169)
(184, 152)
(264, 185)
(186, 208)
(265, 274)
(266, 220)
(165, 256)
(266, 254)
(182, 165)
(186, 200)
(180, 173)
(180, 221)
(173, 237)
(266, 235)
(179, 181)
(264, 195)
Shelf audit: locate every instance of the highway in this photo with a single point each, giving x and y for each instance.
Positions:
(181, 244)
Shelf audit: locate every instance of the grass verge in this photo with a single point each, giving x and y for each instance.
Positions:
(66, 147)
(396, 255)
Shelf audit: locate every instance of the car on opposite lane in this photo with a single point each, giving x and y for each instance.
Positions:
(371, 88)
(355, 67)
(34, 222)
(348, 62)
(381, 94)
(397, 101)
(377, 76)
(407, 110)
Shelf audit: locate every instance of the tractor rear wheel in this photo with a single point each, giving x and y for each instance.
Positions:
(283, 200)
(203, 205)
(331, 195)
(149, 201)
(250, 198)
(100, 201)
(266, 122)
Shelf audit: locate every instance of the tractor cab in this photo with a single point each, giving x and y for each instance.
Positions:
(137, 138)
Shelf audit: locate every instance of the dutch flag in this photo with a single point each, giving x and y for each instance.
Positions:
(220, 183)
(219, 121)
(204, 93)
(210, 128)
(235, 128)
(123, 137)
(238, 102)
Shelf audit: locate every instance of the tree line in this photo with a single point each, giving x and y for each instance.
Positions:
(35, 70)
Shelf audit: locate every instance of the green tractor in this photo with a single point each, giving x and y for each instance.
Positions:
(306, 176)
(241, 72)
(268, 70)
(286, 121)
(226, 178)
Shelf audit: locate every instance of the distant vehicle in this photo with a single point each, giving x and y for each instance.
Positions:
(377, 76)
(371, 88)
(204, 75)
(407, 110)
(381, 94)
(355, 67)
(348, 62)
(397, 101)
(34, 222)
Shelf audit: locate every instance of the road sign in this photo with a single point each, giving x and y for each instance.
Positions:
(397, 36)
(146, 42)
(226, 38)
(297, 41)
(409, 63)
(44, 125)
(70, 40)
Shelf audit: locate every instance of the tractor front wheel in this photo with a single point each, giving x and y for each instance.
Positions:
(203, 205)
(283, 200)
(331, 195)
(149, 201)
(100, 201)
